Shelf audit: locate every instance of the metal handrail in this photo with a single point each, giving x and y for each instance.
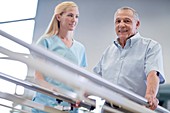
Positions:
(62, 75)
(28, 103)
(82, 72)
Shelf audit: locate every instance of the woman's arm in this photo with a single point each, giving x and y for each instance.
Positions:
(39, 79)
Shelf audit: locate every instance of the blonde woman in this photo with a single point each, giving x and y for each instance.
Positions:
(59, 39)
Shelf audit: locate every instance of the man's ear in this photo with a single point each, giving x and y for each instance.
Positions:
(138, 24)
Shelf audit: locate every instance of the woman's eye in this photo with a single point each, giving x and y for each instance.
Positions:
(70, 15)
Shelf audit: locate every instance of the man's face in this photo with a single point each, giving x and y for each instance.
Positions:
(125, 24)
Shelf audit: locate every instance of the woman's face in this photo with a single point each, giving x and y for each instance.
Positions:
(69, 19)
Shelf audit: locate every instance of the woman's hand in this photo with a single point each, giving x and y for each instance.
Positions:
(77, 104)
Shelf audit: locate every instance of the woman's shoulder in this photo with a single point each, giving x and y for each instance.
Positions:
(46, 40)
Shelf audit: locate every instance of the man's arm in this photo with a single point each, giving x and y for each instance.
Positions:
(152, 89)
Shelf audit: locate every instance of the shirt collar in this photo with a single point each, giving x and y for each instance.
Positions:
(131, 41)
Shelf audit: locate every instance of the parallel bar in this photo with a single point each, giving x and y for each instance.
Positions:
(82, 72)
(38, 88)
(43, 90)
(12, 108)
(29, 103)
(61, 74)
(76, 69)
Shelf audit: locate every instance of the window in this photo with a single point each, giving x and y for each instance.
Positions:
(12, 10)
(17, 19)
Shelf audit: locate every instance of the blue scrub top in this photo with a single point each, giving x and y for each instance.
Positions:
(75, 54)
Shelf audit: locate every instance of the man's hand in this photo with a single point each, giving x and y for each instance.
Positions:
(152, 101)
(152, 89)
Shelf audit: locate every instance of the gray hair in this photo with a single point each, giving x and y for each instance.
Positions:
(135, 14)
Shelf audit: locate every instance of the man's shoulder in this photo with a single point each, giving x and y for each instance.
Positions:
(150, 41)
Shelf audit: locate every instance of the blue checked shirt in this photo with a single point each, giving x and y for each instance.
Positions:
(128, 67)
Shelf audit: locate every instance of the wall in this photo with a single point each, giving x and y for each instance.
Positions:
(96, 27)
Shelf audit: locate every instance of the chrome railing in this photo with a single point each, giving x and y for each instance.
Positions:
(115, 94)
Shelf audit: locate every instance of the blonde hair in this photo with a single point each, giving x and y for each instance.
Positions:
(53, 27)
